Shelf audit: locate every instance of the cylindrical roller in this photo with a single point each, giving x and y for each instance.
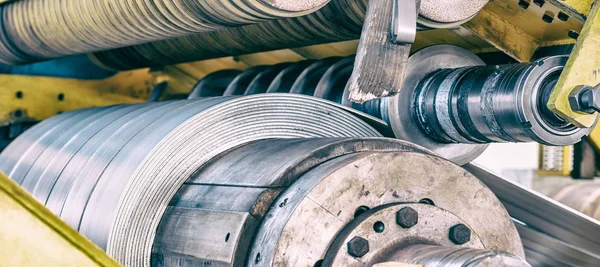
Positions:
(226, 214)
(438, 256)
(506, 103)
(340, 20)
(110, 172)
(450, 102)
(582, 196)
(36, 30)
(265, 180)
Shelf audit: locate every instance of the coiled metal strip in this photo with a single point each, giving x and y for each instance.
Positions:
(110, 172)
(37, 30)
(326, 79)
(340, 20)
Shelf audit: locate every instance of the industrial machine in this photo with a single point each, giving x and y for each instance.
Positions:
(358, 157)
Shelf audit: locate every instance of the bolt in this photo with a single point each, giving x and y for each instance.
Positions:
(524, 4)
(586, 99)
(460, 234)
(407, 217)
(358, 247)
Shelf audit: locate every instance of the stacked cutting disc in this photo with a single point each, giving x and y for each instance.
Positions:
(110, 172)
(36, 30)
(340, 20)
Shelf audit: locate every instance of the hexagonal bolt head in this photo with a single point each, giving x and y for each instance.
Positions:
(358, 247)
(586, 99)
(407, 217)
(460, 234)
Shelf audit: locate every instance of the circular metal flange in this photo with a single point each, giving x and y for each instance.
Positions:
(432, 228)
(335, 190)
(540, 81)
(448, 13)
(399, 109)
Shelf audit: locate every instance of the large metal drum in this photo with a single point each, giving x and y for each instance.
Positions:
(264, 180)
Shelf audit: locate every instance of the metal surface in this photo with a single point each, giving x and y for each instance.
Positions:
(237, 198)
(340, 20)
(438, 256)
(34, 98)
(393, 242)
(583, 196)
(89, 166)
(499, 103)
(394, 108)
(33, 30)
(30, 235)
(334, 190)
(581, 69)
(553, 234)
(404, 21)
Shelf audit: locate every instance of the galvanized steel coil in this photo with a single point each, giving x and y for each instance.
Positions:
(36, 30)
(110, 172)
(451, 103)
(340, 20)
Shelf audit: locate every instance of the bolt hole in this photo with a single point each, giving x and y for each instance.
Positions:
(61, 97)
(562, 16)
(360, 210)
(258, 258)
(18, 113)
(19, 94)
(227, 237)
(427, 201)
(573, 34)
(548, 17)
(319, 263)
(524, 4)
(539, 3)
(379, 227)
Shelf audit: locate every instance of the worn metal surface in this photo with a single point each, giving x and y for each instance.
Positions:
(431, 255)
(334, 190)
(581, 69)
(33, 31)
(497, 103)
(557, 234)
(392, 243)
(72, 166)
(238, 187)
(583, 196)
(30, 235)
(404, 126)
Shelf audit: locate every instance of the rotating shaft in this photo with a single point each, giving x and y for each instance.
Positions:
(463, 105)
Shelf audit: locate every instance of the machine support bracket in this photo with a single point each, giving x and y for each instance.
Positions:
(383, 50)
(582, 69)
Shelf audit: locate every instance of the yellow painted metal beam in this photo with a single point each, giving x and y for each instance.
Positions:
(503, 35)
(37, 98)
(31, 235)
(582, 68)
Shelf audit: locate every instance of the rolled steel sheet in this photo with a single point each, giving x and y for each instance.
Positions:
(340, 20)
(111, 172)
(36, 30)
(583, 196)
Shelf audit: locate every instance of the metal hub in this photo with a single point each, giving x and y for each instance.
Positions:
(399, 116)
(433, 227)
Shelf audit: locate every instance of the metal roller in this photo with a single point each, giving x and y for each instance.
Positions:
(582, 196)
(37, 30)
(340, 20)
(451, 103)
(111, 172)
(253, 201)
